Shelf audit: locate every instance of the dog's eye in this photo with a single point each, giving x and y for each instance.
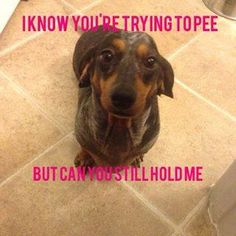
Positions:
(150, 61)
(107, 56)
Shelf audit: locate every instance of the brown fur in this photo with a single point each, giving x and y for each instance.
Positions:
(119, 44)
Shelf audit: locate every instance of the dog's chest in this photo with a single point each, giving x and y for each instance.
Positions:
(118, 143)
(121, 140)
(115, 144)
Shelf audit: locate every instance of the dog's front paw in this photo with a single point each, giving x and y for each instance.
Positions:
(137, 161)
(83, 159)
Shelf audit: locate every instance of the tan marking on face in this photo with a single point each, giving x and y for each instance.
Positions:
(106, 86)
(119, 44)
(84, 71)
(143, 90)
(142, 49)
(96, 83)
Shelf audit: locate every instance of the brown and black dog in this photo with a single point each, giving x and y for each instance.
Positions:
(120, 75)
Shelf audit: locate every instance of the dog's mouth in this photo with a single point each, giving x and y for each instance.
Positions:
(122, 121)
(122, 114)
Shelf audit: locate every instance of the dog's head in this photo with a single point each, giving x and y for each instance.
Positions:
(125, 71)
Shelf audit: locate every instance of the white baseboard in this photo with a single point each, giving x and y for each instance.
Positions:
(7, 7)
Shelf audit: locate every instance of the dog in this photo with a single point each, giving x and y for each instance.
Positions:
(120, 75)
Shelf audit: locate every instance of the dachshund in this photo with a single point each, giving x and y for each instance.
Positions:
(120, 75)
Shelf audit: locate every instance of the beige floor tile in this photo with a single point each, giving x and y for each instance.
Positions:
(82, 4)
(201, 225)
(13, 31)
(44, 68)
(214, 67)
(24, 132)
(191, 134)
(167, 42)
(133, 7)
(72, 208)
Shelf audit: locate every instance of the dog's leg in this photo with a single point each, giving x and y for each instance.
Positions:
(137, 161)
(84, 159)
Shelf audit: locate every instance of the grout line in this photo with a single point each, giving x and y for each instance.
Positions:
(191, 41)
(210, 192)
(31, 100)
(20, 43)
(194, 211)
(85, 8)
(228, 21)
(34, 159)
(181, 48)
(73, 14)
(91, 5)
(213, 223)
(192, 91)
(210, 103)
(150, 206)
(77, 13)
(69, 5)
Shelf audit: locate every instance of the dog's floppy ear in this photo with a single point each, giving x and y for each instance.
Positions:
(84, 66)
(167, 75)
(85, 53)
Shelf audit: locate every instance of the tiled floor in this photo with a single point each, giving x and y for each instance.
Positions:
(38, 96)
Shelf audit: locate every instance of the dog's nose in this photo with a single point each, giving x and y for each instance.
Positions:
(123, 98)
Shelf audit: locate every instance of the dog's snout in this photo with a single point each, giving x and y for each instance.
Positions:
(123, 98)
